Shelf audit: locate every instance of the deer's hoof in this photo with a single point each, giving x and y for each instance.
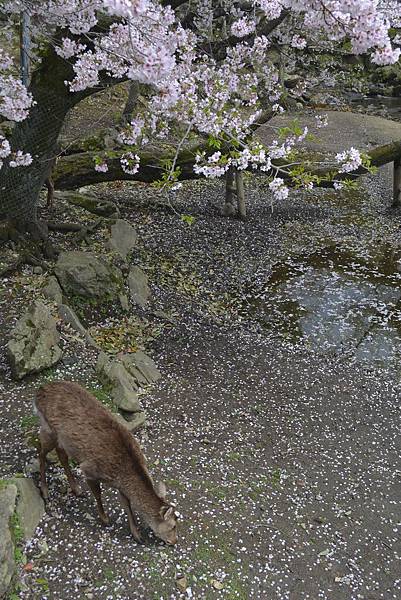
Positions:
(105, 520)
(76, 490)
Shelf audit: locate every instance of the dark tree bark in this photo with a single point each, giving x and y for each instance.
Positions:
(38, 134)
(239, 181)
(131, 103)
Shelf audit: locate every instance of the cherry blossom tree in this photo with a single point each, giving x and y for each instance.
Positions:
(205, 64)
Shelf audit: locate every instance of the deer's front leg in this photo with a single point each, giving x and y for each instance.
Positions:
(94, 487)
(133, 524)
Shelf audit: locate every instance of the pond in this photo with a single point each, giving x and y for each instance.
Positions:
(335, 302)
(391, 104)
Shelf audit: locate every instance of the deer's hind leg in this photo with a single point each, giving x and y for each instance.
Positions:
(47, 444)
(63, 458)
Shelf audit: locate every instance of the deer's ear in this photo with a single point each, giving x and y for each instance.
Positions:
(166, 512)
(161, 489)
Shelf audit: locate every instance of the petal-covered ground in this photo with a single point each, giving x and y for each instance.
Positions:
(276, 425)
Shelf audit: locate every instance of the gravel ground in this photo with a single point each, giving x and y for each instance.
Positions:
(282, 455)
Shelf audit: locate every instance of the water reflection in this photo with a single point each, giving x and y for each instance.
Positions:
(391, 103)
(335, 302)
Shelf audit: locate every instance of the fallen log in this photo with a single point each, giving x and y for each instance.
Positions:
(78, 170)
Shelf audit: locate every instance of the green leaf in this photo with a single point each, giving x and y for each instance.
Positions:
(190, 220)
(214, 142)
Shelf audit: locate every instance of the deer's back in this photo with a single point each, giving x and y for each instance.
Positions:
(87, 430)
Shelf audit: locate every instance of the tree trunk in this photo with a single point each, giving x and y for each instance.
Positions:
(130, 105)
(239, 180)
(38, 134)
(78, 170)
(228, 209)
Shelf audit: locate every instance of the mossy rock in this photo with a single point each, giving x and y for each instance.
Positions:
(87, 275)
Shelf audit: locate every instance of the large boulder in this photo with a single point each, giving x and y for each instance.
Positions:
(133, 422)
(8, 496)
(123, 238)
(34, 342)
(124, 377)
(30, 506)
(86, 274)
(21, 509)
(52, 290)
(138, 286)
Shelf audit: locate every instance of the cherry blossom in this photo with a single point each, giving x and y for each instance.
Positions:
(195, 75)
(130, 163)
(20, 159)
(350, 160)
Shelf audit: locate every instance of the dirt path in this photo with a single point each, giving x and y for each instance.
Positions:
(285, 467)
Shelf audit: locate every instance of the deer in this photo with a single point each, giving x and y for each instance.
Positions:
(75, 424)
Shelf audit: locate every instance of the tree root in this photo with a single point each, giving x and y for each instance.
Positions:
(38, 232)
(64, 227)
(83, 231)
(24, 259)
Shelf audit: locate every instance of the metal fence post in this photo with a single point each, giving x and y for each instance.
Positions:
(25, 45)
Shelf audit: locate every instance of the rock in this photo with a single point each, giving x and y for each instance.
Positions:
(125, 398)
(111, 372)
(70, 361)
(30, 506)
(69, 316)
(123, 385)
(125, 377)
(124, 302)
(8, 496)
(123, 237)
(182, 583)
(85, 274)
(37, 270)
(52, 291)
(32, 466)
(34, 342)
(130, 364)
(135, 422)
(138, 286)
(141, 367)
(101, 363)
(21, 506)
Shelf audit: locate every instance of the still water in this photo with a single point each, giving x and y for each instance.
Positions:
(335, 302)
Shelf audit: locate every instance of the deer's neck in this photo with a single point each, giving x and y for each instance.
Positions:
(142, 495)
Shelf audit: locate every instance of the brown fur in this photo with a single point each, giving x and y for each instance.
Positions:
(80, 427)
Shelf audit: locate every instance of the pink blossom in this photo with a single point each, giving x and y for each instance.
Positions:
(130, 163)
(350, 160)
(20, 159)
(278, 188)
